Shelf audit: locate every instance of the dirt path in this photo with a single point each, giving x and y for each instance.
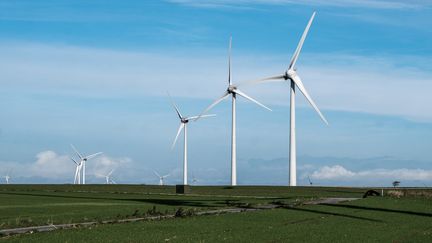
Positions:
(331, 200)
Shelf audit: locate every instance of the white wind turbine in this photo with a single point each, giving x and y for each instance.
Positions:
(83, 160)
(233, 91)
(291, 76)
(77, 178)
(108, 178)
(161, 178)
(183, 125)
(194, 179)
(7, 177)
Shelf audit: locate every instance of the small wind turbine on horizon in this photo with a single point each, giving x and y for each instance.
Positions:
(7, 177)
(233, 91)
(290, 75)
(161, 178)
(194, 179)
(183, 126)
(310, 182)
(108, 178)
(82, 163)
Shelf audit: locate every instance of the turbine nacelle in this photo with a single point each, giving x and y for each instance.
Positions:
(184, 120)
(231, 89)
(290, 74)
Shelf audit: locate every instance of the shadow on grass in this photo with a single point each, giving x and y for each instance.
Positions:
(169, 202)
(333, 214)
(379, 209)
(360, 193)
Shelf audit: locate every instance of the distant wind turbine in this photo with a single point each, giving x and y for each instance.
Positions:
(232, 91)
(183, 125)
(83, 160)
(310, 182)
(290, 75)
(161, 178)
(108, 178)
(7, 177)
(194, 179)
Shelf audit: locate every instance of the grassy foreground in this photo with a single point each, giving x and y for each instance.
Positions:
(376, 219)
(29, 205)
(368, 220)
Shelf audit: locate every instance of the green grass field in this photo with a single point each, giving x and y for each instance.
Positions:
(407, 219)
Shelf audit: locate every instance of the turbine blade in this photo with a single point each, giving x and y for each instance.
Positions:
(237, 91)
(74, 160)
(110, 172)
(203, 116)
(175, 107)
(178, 133)
(76, 151)
(296, 79)
(300, 44)
(229, 61)
(277, 78)
(156, 174)
(93, 155)
(217, 101)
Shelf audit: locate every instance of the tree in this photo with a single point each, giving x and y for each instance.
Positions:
(396, 183)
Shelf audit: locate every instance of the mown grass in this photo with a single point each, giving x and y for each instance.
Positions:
(367, 220)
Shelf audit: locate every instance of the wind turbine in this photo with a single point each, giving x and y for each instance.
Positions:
(194, 179)
(310, 182)
(83, 160)
(183, 125)
(161, 178)
(77, 178)
(290, 75)
(108, 178)
(232, 91)
(7, 177)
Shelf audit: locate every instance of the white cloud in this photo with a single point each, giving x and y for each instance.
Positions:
(102, 165)
(50, 165)
(333, 172)
(338, 172)
(59, 168)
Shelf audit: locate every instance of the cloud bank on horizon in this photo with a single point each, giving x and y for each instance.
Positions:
(98, 75)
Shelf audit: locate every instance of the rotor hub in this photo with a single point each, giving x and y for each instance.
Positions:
(289, 74)
(231, 89)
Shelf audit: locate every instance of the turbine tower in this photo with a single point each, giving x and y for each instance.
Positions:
(233, 91)
(183, 125)
(83, 160)
(161, 178)
(290, 75)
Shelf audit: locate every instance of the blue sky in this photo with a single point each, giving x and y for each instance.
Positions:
(96, 73)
